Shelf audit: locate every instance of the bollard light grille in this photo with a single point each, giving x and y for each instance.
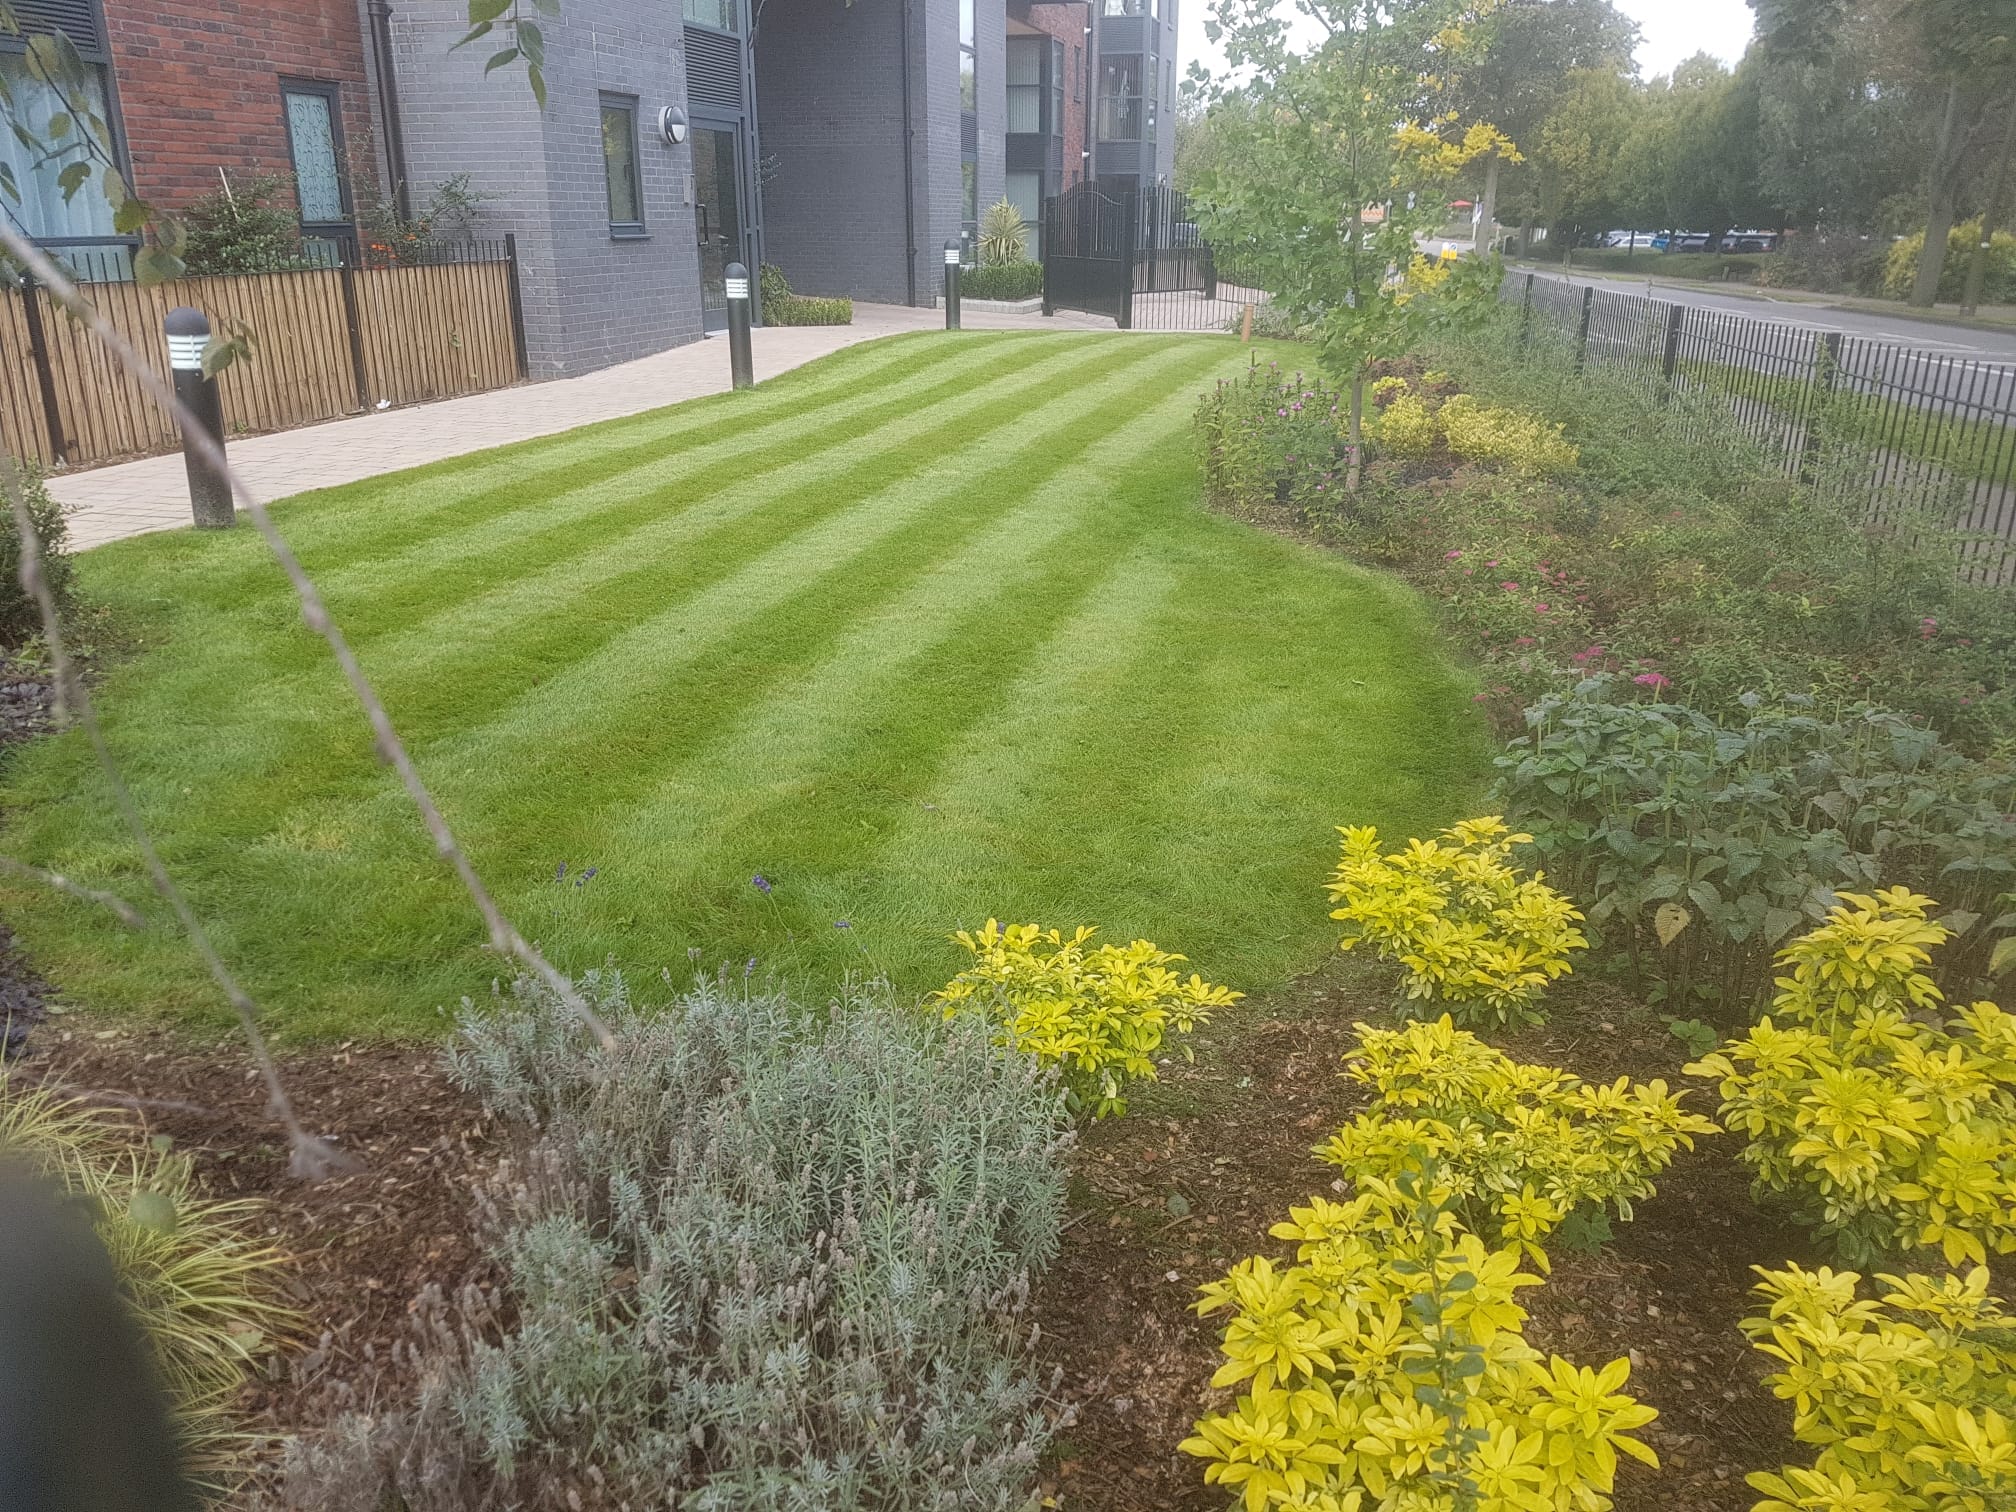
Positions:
(738, 288)
(186, 352)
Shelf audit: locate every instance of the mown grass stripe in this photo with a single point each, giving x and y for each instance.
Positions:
(467, 488)
(838, 729)
(521, 648)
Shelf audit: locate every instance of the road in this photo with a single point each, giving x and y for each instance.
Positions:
(1963, 343)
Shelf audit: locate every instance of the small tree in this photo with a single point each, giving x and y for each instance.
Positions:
(1344, 157)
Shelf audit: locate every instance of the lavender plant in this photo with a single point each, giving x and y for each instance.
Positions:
(755, 1256)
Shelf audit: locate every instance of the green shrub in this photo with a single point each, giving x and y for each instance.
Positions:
(188, 1266)
(20, 620)
(1269, 440)
(783, 308)
(1900, 266)
(1700, 844)
(754, 1255)
(1011, 280)
(1720, 267)
(249, 228)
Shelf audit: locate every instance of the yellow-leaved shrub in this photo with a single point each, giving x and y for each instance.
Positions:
(1508, 438)
(1518, 1149)
(1882, 1130)
(1097, 1015)
(1404, 426)
(1911, 1396)
(1456, 914)
(1386, 1368)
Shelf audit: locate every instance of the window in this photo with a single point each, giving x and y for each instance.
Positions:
(1025, 84)
(1055, 125)
(1025, 193)
(619, 165)
(969, 175)
(722, 15)
(315, 144)
(1119, 103)
(43, 211)
(969, 118)
(1077, 73)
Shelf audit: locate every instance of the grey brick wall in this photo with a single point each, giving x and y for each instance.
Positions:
(830, 109)
(589, 300)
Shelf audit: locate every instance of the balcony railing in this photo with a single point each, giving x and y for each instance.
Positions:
(1126, 118)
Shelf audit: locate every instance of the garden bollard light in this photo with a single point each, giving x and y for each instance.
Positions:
(952, 285)
(740, 364)
(209, 489)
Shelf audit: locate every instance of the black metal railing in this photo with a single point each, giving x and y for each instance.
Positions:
(1918, 434)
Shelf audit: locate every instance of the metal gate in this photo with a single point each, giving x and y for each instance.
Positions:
(1088, 250)
(1138, 257)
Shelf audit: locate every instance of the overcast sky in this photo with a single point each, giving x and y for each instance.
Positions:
(1672, 30)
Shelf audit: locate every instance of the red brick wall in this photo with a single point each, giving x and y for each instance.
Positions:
(1066, 22)
(198, 83)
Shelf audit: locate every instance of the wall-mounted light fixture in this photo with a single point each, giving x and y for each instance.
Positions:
(672, 125)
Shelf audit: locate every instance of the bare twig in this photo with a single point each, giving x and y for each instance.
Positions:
(504, 936)
(312, 1157)
(128, 914)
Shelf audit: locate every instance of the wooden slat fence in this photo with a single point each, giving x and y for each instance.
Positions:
(328, 342)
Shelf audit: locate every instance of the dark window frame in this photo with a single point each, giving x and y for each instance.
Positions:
(637, 230)
(344, 230)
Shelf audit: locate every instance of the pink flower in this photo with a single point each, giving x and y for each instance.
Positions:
(1469, 571)
(1450, 556)
(1492, 563)
(1480, 697)
(1652, 680)
(1928, 627)
(1539, 608)
(1509, 587)
(1524, 640)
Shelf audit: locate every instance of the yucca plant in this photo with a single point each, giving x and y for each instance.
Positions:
(195, 1278)
(1002, 236)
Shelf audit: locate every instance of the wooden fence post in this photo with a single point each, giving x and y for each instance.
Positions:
(1526, 314)
(45, 375)
(1582, 331)
(1820, 390)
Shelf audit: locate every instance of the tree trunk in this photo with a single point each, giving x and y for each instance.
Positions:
(1939, 220)
(1487, 211)
(1991, 212)
(1354, 435)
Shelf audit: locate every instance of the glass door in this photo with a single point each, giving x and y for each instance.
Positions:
(717, 217)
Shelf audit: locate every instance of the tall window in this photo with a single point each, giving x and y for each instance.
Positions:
(619, 165)
(1055, 125)
(1025, 84)
(43, 212)
(315, 146)
(1077, 73)
(1119, 104)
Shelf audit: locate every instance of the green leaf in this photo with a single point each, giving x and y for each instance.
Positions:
(59, 125)
(2004, 956)
(72, 178)
(537, 79)
(220, 351)
(155, 264)
(481, 11)
(7, 185)
(154, 1210)
(498, 60)
(474, 32)
(533, 41)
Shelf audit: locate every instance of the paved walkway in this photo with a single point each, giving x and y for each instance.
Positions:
(132, 498)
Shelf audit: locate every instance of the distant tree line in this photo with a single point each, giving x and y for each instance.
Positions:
(1849, 122)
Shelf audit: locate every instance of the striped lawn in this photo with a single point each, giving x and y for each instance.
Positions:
(930, 630)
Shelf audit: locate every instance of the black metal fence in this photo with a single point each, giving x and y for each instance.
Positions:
(1921, 436)
(1138, 257)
